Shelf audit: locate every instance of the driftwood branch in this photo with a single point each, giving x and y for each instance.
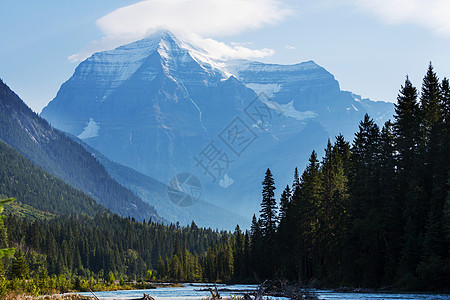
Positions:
(96, 298)
(147, 297)
(215, 294)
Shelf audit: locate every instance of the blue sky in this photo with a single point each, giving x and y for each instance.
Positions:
(369, 45)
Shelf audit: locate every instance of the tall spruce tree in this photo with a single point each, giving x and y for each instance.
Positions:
(365, 163)
(268, 222)
(268, 217)
(366, 231)
(308, 214)
(19, 266)
(430, 99)
(335, 220)
(391, 204)
(238, 253)
(435, 169)
(407, 127)
(409, 145)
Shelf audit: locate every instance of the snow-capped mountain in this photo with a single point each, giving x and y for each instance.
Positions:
(163, 107)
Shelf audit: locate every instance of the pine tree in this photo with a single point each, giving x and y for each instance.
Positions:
(238, 253)
(365, 162)
(268, 207)
(435, 168)
(430, 101)
(335, 202)
(391, 204)
(406, 126)
(311, 187)
(432, 127)
(366, 236)
(304, 221)
(408, 143)
(19, 267)
(268, 222)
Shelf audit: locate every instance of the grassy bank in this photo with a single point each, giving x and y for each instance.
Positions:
(14, 296)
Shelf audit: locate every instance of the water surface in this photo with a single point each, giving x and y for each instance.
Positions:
(192, 292)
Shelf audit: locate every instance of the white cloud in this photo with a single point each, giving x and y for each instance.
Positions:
(106, 43)
(431, 14)
(203, 17)
(289, 47)
(221, 50)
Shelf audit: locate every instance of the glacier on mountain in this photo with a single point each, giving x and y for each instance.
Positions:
(268, 88)
(91, 130)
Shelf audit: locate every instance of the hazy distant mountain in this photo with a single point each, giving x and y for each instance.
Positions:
(163, 107)
(154, 192)
(59, 155)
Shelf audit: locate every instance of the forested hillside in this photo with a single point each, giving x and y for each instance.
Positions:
(32, 186)
(57, 154)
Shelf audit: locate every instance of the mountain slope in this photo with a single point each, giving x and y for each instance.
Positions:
(54, 152)
(32, 186)
(163, 108)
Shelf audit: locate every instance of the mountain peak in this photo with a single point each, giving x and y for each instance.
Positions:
(163, 34)
(145, 45)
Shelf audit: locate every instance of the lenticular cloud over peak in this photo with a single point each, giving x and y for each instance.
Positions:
(193, 19)
(205, 17)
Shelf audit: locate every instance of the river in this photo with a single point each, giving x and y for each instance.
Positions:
(192, 292)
